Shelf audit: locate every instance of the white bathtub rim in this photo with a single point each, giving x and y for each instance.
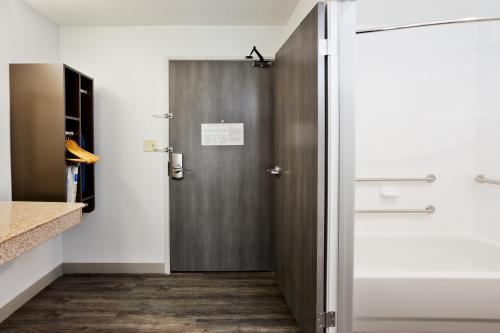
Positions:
(448, 298)
(414, 325)
(430, 275)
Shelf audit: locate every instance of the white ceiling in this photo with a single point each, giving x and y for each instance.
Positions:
(165, 12)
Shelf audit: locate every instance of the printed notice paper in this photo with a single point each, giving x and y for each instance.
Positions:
(222, 134)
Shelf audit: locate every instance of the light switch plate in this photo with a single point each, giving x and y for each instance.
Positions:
(150, 145)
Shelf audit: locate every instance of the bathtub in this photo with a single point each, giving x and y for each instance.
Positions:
(438, 283)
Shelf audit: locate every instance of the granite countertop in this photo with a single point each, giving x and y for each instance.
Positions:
(24, 225)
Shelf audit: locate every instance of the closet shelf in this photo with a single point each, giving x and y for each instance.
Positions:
(87, 198)
(77, 160)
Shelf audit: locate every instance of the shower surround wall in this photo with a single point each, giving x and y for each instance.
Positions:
(488, 130)
(428, 102)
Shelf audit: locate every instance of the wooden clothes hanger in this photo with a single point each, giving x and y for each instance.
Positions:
(83, 155)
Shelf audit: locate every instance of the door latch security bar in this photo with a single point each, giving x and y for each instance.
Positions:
(164, 116)
(164, 150)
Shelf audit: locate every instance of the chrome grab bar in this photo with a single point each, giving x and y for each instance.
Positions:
(427, 210)
(483, 180)
(428, 179)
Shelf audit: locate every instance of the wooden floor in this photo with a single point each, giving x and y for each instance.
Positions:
(199, 302)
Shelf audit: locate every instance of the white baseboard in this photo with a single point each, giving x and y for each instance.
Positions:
(30, 292)
(114, 268)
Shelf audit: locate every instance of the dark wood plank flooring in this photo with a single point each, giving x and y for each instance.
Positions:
(194, 302)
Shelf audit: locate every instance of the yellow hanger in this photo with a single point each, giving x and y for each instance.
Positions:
(83, 155)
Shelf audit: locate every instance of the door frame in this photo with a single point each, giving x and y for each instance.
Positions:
(341, 29)
(166, 143)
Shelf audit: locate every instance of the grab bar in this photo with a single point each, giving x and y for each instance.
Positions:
(428, 179)
(483, 180)
(427, 210)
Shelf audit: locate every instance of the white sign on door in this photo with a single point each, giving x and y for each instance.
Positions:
(222, 134)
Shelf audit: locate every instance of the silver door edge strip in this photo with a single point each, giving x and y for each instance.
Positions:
(333, 84)
(346, 46)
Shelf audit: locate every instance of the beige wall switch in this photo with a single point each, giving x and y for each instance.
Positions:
(150, 145)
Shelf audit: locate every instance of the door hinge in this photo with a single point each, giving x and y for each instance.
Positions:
(326, 319)
(164, 116)
(328, 47)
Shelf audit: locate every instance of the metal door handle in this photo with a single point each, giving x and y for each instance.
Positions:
(175, 166)
(275, 171)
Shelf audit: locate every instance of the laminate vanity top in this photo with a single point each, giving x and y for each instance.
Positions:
(23, 225)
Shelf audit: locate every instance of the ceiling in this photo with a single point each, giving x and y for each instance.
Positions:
(165, 12)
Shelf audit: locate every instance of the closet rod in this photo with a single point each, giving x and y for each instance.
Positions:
(428, 24)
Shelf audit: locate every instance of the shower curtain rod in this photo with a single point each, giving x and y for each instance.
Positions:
(429, 24)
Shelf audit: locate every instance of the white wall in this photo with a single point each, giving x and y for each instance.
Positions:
(301, 10)
(129, 222)
(4, 101)
(21, 273)
(25, 36)
(128, 64)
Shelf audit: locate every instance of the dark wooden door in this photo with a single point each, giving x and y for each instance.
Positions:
(222, 212)
(300, 152)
